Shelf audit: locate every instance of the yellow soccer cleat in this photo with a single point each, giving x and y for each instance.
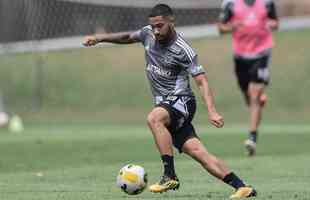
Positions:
(244, 192)
(166, 183)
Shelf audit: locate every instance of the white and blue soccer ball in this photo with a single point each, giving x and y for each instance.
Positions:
(132, 179)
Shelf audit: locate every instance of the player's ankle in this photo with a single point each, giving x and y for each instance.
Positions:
(233, 180)
(253, 136)
(168, 163)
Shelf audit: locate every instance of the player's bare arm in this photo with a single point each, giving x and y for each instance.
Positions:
(224, 25)
(117, 38)
(224, 28)
(214, 117)
(273, 24)
(227, 27)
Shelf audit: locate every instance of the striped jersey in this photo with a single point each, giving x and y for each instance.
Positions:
(168, 66)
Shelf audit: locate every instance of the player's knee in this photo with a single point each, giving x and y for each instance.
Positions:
(150, 119)
(153, 119)
(254, 96)
(255, 99)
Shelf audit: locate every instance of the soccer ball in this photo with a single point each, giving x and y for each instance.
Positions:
(132, 179)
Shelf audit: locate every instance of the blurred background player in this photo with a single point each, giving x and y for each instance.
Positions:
(4, 116)
(169, 62)
(251, 23)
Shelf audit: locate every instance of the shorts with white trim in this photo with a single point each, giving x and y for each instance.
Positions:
(181, 110)
(252, 70)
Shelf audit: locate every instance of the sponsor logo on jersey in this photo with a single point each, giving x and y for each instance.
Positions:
(250, 18)
(158, 70)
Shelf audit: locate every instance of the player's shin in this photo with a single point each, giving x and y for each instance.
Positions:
(168, 162)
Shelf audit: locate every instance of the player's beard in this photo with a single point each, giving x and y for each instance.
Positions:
(168, 37)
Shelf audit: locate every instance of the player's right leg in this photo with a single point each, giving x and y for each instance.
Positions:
(217, 168)
(165, 183)
(180, 111)
(158, 120)
(263, 99)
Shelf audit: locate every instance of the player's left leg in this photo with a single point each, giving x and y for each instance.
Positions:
(263, 99)
(217, 168)
(259, 77)
(194, 148)
(256, 94)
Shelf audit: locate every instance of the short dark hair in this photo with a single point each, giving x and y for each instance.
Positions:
(161, 10)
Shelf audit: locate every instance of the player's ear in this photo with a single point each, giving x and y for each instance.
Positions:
(171, 19)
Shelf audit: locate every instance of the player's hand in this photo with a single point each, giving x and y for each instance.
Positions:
(229, 27)
(90, 41)
(272, 25)
(216, 119)
(236, 25)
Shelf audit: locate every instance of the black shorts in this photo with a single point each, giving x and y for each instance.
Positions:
(252, 70)
(181, 110)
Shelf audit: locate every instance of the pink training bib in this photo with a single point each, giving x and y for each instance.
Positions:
(253, 36)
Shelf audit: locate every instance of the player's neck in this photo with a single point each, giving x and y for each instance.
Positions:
(170, 38)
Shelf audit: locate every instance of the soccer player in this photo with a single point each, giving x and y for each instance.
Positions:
(251, 23)
(4, 116)
(169, 62)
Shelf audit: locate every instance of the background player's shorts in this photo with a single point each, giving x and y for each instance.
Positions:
(181, 110)
(252, 70)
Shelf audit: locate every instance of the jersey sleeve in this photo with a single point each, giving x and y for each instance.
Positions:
(141, 35)
(190, 63)
(271, 9)
(226, 12)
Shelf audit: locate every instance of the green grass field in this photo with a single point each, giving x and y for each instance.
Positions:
(94, 102)
(81, 161)
(109, 84)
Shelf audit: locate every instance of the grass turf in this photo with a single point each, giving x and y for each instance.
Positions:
(98, 83)
(81, 161)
